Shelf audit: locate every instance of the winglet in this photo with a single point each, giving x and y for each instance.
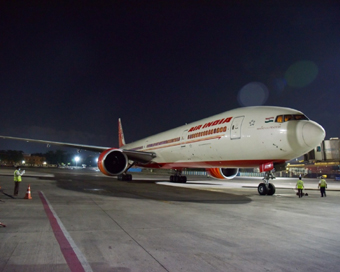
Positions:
(120, 133)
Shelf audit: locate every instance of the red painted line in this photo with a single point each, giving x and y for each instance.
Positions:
(65, 247)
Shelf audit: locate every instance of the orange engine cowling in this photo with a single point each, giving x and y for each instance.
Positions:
(222, 173)
(112, 162)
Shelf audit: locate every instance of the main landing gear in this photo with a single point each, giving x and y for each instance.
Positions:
(266, 188)
(178, 178)
(124, 177)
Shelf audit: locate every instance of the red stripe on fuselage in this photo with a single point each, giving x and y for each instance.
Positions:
(211, 164)
(219, 136)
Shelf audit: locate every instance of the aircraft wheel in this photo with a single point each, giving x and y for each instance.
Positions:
(182, 179)
(174, 178)
(262, 189)
(271, 189)
(126, 177)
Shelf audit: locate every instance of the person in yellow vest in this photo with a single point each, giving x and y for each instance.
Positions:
(17, 179)
(300, 187)
(323, 185)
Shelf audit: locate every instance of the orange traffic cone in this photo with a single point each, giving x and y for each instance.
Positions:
(28, 194)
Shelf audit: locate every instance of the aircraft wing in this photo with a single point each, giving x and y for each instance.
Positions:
(137, 156)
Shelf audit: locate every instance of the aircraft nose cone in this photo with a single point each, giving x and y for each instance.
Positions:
(313, 134)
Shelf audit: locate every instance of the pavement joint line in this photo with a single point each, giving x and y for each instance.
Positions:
(139, 195)
(11, 254)
(127, 233)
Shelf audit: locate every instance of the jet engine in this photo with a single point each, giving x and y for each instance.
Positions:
(112, 162)
(222, 173)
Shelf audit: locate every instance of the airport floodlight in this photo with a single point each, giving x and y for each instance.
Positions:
(77, 159)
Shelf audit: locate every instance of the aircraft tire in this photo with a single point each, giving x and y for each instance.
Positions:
(127, 177)
(271, 189)
(174, 178)
(182, 179)
(262, 189)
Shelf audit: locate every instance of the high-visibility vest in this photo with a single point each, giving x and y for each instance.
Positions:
(323, 183)
(17, 177)
(299, 184)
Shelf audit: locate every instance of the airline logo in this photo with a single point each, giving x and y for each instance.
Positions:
(211, 124)
(266, 167)
(269, 120)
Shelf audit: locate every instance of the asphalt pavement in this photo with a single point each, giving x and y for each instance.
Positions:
(81, 220)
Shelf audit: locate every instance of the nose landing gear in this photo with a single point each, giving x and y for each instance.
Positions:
(266, 188)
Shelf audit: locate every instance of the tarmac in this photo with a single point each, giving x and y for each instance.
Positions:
(81, 220)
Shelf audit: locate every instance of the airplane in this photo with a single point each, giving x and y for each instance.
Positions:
(263, 137)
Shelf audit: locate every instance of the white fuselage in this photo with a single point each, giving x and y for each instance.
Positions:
(244, 137)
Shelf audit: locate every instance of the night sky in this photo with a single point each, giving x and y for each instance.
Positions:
(67, 73)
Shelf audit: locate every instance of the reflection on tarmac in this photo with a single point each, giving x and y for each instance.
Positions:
(145, 187)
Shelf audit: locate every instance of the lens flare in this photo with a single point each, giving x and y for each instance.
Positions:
(301, 73)
(253, 94)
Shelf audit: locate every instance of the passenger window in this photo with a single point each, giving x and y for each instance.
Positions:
(279, 119)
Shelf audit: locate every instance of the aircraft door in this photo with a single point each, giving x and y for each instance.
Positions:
(184, 137)
(184, 146)
(235, 131)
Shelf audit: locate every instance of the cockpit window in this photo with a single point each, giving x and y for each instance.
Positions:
(300, 117)
(288, 117)
(279, 119)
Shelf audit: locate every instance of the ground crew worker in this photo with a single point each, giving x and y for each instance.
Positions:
(17, 179)
(323, 185)
(300, 187)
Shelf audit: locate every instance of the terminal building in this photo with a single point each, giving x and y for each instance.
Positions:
(328, 151)
(324, 159)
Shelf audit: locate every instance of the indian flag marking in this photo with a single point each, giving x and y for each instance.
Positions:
(269, 120)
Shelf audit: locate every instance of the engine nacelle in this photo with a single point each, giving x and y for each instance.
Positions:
(112, 162)
(222, 173)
